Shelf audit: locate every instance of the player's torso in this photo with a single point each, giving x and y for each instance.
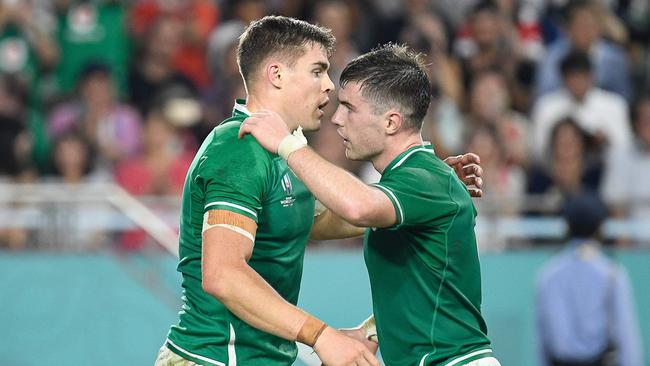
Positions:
(283, 230)
(284, 223)
(425, 277)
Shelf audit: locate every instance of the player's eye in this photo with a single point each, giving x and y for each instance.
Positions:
(317, 72)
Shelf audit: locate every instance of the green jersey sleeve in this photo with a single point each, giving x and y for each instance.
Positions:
(419, 197)
(234, 175)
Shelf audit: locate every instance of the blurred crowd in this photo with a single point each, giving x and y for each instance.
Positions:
(554, 95)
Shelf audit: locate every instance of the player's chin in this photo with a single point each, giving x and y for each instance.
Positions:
(312, 125)
(351, 155)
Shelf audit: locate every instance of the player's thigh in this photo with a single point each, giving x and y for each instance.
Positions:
(487, 361)
(169, 358)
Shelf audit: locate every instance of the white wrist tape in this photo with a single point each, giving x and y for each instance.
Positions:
(371, 329)
(291, 143)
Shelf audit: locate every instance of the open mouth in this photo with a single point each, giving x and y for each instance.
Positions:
(346, 142)
(323, 104)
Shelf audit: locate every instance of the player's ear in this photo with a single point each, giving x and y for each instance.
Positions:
(273, 73)
(394, 121)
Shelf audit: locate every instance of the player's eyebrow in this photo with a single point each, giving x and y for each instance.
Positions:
(322, 65)
(347, 104)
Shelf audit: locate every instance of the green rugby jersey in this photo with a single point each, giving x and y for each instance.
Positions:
(240, 176)
(424, 272)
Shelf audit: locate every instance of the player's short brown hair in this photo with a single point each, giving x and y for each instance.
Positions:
(279, 36)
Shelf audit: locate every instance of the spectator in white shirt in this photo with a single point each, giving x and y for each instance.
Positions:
(600, 113)
(627, 172)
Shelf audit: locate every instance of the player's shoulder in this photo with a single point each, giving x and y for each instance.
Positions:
(420, 165)
(224, 150)
(225, 143)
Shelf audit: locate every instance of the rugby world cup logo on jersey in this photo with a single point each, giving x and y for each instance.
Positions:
(288, 190)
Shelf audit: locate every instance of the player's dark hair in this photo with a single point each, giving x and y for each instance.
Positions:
(279, 36)
(392, 76)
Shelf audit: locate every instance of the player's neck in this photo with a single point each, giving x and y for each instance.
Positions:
(395, 146)
(255, 103)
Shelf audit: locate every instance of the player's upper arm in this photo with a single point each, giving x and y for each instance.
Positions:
(329, 226)
(228, 240)
(416, 196)
(374, 209)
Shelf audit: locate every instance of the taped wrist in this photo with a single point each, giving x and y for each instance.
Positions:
(311, 329)
(291, 143)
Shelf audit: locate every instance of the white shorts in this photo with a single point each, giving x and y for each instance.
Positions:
(169, 358)
(487, 361)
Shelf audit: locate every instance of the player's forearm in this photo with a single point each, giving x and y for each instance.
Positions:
(329, 226)
(244, 292)
(344, 194)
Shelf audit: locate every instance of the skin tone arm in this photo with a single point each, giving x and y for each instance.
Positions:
(350, 198)
(328, 225)
(353, 200)
(228, 277)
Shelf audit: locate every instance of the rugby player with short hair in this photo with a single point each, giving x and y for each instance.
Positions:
(421, 249)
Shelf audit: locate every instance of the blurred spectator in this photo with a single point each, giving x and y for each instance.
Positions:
(426, 33)
(245, 11)
(68, 224)
(486, 43)
(522, 87)
(381, 22)
(636, 15)
(15, 146)
(585, 307)
(628, 168)
(160, 170)
(520, 20)
(570, 169)
(15, 138)
(227, 83)
(112, 128)
(601, 113)
(73, 158)
(28, 55)
(453, 11)
(26, 48)
(153, 69)
(504, 184)
(163, 164)
(92, 30)
(490, 106)
(197, 19)
(338, 15)
(583, 33)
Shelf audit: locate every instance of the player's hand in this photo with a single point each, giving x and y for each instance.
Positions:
(359, 334)
(267, 127)
(336, 349)
(468, 168)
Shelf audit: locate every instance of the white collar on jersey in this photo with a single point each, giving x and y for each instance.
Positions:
(242, 108)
